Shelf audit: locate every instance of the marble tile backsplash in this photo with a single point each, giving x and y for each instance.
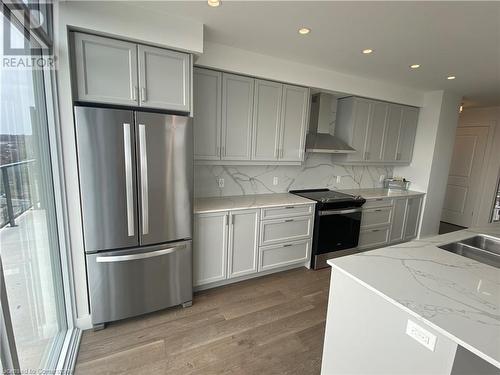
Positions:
(318, 171)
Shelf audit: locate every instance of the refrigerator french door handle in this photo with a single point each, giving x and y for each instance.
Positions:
(125, 258)
(129, 184)
(143, 155)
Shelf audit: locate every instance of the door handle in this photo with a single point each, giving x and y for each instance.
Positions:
(134, 93)
(129, 185)
(125, 258)
(143, 94)
(143, 153)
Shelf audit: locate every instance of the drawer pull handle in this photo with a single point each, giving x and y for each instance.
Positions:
(379, 210)
(287, 245)
(375, 230)
(379, 199)
(290, 207)
(288, 220)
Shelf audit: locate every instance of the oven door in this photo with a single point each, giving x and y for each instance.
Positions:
(338, 230)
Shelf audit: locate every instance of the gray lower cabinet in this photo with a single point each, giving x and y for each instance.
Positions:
(105, 69)
(207, 98)
(113, 71)
(412, 217)
(388, 221)
(164, 79)
(210, 247)
(243, 243)
(285, 254)
(398, 220)
(237, 111)
(227, 245)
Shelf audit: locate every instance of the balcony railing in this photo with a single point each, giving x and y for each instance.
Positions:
(16, 191)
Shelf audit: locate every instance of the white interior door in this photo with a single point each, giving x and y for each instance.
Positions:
(464, 177)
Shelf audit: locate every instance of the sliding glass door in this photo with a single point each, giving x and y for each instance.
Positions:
(29, 245)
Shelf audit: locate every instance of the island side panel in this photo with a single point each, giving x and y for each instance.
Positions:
(365, 334)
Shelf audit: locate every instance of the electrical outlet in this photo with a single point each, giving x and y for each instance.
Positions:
(421, 335)
(381, 178)
(338, 179)
(220, 181)
(275, 180)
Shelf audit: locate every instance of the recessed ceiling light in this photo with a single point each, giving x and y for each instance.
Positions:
(367, 51)
(415, 66)
(304, 30)
(214, 3)
(451, 77)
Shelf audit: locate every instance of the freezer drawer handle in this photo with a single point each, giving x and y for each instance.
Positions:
(129, 187)
(144, 179)
(126, 258)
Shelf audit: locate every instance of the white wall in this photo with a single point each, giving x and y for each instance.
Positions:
(116, 19)
(489, 117)
(432, 154)
(246, 62)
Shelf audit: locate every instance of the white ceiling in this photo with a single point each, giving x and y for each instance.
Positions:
(446, 38)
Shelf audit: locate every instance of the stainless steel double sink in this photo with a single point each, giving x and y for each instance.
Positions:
(481, 248)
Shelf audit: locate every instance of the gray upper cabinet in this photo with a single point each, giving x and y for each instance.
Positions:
(237, 110)
(114, 71)
(407, 134)
(392, 134)
(105, 69)
(207, 98)
(266, 120)
(164, 79)
(294, 115)
(380, 132)
(243, 119)
(376, 131)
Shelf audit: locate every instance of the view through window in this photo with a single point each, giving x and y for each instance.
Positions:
(28, 233)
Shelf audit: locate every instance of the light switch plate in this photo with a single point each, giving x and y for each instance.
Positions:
(275, 180)
(421, 335)
(220, 181)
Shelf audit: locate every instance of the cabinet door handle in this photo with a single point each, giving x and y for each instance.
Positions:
(379, 210)
(143, 94)
(290, 207)
(288, 220)
(375, 230)
(287, 245)
(398, 156)
(231, 219)
(226, 221)
(134, 93)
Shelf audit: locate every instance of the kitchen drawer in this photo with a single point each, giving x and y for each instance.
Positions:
(287, 211)
(281, 255)
(377, 216)
(379, 202)
(285, 230)
(373, 237)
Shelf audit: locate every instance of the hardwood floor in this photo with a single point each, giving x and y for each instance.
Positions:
(269, 325)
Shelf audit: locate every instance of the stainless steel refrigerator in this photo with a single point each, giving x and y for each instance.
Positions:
(136, 182)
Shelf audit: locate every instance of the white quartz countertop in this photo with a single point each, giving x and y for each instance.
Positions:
(240, 202)
(457, 296)
(377, 193)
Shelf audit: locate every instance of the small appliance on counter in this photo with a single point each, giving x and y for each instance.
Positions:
(337, 221)
(398, 183)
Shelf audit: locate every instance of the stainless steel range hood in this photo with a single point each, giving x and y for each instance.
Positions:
(322, 127)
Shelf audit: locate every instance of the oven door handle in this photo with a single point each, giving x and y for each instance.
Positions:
(339, 212)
